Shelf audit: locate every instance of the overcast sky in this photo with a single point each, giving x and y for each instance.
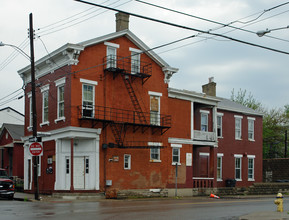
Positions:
(233, 65)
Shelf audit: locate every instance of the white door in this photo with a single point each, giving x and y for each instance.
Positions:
(78, 172)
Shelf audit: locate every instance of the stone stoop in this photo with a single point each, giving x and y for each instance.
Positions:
(78, 196)
(142, 193)
(268, 188)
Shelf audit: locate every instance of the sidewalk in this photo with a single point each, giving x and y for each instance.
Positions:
(266, 216)
(20, 196)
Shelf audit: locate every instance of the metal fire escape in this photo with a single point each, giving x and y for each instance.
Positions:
(119, 119)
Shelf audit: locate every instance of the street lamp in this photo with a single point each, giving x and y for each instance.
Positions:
(34, 115)
(263, 32)
(17, 49)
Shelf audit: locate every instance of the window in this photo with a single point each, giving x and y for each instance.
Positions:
(111, 57)
(60, 98)
(219, 125)
(238, 127)
(204, 120)
(30, 110)
(127, 162)
(176, 149)
(88, 97)
(251, 129)
(67, 166)
(45, 95)
(155, 152)
(111, 61)
(238, 167)
(219, 166)
(60, 104)
(176, 155)
(135, 61)
(86, 165)
(251, 167)
(155, 108)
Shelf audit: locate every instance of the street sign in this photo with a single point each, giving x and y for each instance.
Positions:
(36, 149)
(35, 139)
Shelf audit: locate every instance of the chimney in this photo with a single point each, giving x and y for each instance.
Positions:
(122, 21)
(210, 88)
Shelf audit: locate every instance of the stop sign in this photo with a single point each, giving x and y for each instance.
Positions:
(36, 149)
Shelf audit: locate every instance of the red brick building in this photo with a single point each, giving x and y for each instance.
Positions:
(11, 146)
(106, 103)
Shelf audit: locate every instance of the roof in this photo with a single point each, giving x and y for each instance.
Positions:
(68, 55)
(219, 102)
(3, 109)
(228, 105)
(16, 131)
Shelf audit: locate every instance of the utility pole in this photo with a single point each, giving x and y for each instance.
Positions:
(34, 115)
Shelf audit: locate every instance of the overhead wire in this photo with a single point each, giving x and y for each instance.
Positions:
(219, 23)
(186, 28)
(43, 33)
(266, 10)
(13, 55)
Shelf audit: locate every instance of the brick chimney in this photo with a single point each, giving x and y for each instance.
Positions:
(210, 88)
(122, 21)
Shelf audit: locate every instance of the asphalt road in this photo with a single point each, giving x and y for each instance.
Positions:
(202, 208)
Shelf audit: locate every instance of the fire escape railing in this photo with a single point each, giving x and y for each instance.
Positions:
(121, 116)
(126, 65)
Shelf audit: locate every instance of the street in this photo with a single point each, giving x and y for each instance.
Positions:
(194, 208)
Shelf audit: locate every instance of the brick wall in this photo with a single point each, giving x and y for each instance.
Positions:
(275, 169)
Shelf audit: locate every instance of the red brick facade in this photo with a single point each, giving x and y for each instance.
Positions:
(136, 127)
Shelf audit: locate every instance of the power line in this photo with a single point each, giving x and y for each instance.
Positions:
(14, 54)
(219, 23)
(43, 33)
(266, 10)
(185, 27)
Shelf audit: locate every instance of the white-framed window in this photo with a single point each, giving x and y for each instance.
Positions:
(88, 91)
(155, 107)
(127, 162)
(251, 128)
(251, 165)
(219, 166)
(111, 56)
(60, 102)
(204, 120)
(238, 127)
(176, 157)
(135, 60)
(60, 99)
(220, 125)
(30, 110)
(238, 167)
(155, 152)
(45, 106)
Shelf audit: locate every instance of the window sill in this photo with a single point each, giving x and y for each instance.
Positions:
(221, 137)
(238, 139)
(219, 180)
(251, 180)
(238, 180)
(155, 161)
(251, 140)
(174, 164)
(29, 128)
(59, 119)
(44, 123)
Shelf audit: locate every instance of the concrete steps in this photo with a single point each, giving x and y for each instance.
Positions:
(78, 196)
